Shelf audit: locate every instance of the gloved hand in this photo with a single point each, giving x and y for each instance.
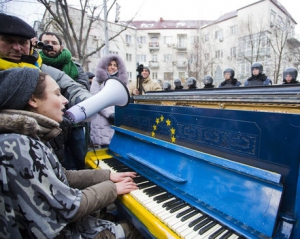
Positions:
(111, 118)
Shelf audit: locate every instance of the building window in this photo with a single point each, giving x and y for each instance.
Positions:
(181, 75)
(128, 39)
(153, 42)
(219, 35)
(194, 40)
(141, 40)
(233, 30)
(154, 75)
(182, 40)
(168, 40)
(129, 75)
(168, 76)
(113, 52)
(154, 58)
(206, 37)
(233, 51)
(219, 54)
(141, 58)
(167, 58)
(206, 56)
(128, 57)
(272, 18)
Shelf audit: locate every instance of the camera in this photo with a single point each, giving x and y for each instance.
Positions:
(140, 68)
(42, 46)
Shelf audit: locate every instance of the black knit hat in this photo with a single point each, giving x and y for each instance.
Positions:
(14, 26)
(17, 86)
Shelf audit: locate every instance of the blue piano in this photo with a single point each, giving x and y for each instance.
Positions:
(220, 163)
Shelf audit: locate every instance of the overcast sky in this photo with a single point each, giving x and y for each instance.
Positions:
(154, 9)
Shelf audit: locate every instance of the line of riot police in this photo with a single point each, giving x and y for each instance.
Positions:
(258, 78)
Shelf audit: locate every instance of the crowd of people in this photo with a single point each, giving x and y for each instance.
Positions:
(46, 191)
(257, 78)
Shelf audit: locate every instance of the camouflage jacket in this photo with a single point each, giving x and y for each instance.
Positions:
(38, 197)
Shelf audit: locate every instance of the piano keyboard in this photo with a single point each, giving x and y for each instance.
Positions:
(184, 219)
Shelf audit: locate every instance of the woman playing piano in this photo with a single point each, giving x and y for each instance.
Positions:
(39, 198)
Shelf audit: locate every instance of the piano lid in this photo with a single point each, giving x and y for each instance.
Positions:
(240, 196)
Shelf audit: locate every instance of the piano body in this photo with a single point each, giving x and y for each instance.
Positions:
(220, 163)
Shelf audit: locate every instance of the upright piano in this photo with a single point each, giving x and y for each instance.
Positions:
(221, 163)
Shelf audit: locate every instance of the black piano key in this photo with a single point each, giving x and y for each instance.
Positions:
(206, 228)
(186, 217)
(161, 198)
(217, 233)
(170, 202)
(202, 224)
(199, 219)
(175, 209)
(145, 185)
(147, 191)
(181, 214)
(140, 179)
(156, 192)
(226, 235)
(174, 205)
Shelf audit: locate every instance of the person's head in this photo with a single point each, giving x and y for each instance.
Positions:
(177, 82)
(228, 74)
(166, 86)
(191, 82)
(118, 70)
(90, 76)
(15, 35)
(256, 68)
(145, 72)
(207, 80)
(112, 67)
(290, 74)
(52, 39)
(31, 90)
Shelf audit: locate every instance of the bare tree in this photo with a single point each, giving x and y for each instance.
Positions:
(76, 23)
(278, 42)
(201, 61)
(253, 42)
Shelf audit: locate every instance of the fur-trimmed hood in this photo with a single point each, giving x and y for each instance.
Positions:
(28, 123)
(101, 70)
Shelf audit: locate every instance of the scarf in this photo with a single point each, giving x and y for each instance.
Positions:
(31, 61)
(63, 62)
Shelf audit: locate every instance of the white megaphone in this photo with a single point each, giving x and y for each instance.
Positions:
(113, 93)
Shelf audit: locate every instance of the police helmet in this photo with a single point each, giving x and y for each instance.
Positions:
(191, 82)
(207, 80)
(166, 85)
(292, 71)
(177, 82)
(258, 66)
(229, 70)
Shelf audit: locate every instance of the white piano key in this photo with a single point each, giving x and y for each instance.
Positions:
(181, 227)
(170, 219)
(173, 219)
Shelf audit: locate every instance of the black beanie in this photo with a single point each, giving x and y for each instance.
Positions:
(17, 86)
(14, 26)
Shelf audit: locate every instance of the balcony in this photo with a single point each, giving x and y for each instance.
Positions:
(153, 45)
(181, 47)
(153, 64)
(181, 64)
